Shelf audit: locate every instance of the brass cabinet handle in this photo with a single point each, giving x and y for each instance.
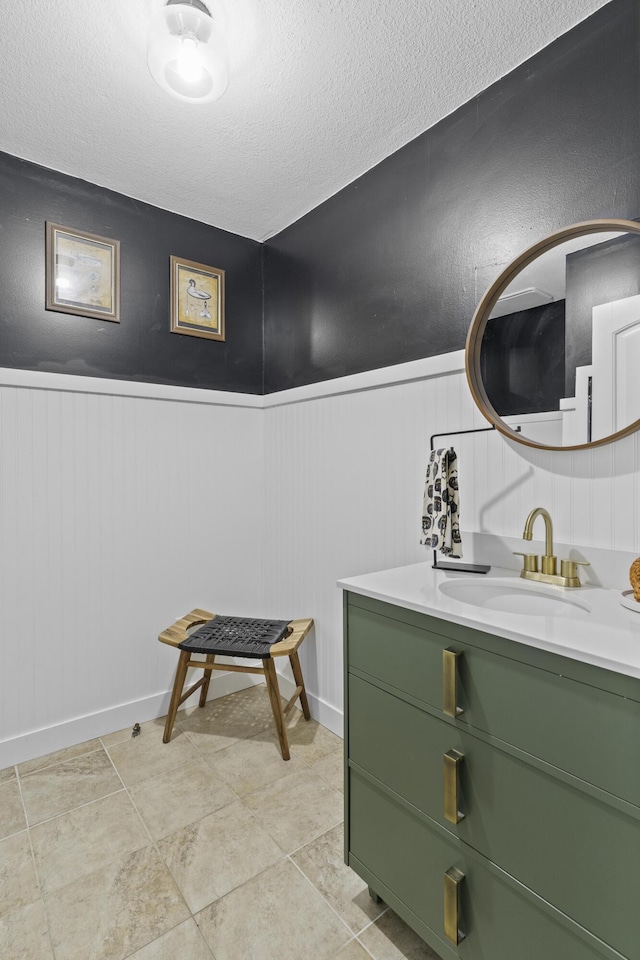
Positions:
(452, 763)
(450, 682)
(452, 882)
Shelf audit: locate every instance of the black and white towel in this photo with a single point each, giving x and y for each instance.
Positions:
(441, 506)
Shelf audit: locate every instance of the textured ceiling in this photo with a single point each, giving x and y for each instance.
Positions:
(320, 91)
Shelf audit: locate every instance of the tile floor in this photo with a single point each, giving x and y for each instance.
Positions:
(210, 847)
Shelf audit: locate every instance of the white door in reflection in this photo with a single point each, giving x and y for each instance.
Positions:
(616, 366)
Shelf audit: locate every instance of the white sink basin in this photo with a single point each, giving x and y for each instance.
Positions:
(515, 597)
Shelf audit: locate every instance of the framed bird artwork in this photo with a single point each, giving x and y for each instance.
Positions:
(197, 299)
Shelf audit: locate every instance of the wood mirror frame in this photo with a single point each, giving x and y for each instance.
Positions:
(487, 304)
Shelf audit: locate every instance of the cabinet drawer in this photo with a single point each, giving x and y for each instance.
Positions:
(403, 655)
(589, 732)
(571, 849)
(411, 858)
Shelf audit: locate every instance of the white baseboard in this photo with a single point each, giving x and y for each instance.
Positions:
(38, 743)
(326, 714)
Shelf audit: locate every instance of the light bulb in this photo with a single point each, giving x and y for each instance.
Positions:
(189, 64)
(187, 52)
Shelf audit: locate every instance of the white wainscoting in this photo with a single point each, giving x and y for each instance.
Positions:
(118, 513)
(349, 500)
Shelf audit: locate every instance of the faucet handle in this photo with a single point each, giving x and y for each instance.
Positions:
(568, 568)
(530, 562)
(549, 565)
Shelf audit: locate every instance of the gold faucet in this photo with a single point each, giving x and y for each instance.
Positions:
(568, 576)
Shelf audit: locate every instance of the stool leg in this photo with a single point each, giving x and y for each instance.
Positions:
(178, 684)
(276, 705)
(204, 690)
(297, 676)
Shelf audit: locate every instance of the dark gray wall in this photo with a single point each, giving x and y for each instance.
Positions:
(140, 347)
(391, 268)
(523, 360)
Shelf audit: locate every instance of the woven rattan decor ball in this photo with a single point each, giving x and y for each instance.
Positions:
(634, 578)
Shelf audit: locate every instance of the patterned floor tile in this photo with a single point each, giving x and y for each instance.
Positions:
(144, 756)
(275, 916)
(116, 910)
(203, 825)
(322, 861)
(223, 722)
(55, 790)
(223, 850)
(251, 764)
(77, 843)
(353, 951)
(59, 756)
(184, 942)
(389, 938)
(12, 816)
(296, 809)
(18, 880)
(25, 934)
(331, 769)
(175, 799)
(308, 739)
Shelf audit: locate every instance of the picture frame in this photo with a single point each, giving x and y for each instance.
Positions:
(82, 273)
(197, 299)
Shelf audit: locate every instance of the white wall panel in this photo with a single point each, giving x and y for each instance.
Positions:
(118, 513)
(351, 499)
(350, 502)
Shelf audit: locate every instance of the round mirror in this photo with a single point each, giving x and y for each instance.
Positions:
(553, 351)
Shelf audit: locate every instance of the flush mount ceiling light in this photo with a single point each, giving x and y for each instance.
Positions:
(187, 52)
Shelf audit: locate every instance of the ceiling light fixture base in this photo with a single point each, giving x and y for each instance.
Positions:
(191, 3)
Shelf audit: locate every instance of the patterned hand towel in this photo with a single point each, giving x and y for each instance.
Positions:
(441, 506)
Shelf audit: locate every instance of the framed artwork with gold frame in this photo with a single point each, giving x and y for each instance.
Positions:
(82, 273)
(197, 299)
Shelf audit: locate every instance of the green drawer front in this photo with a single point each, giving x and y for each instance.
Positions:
(572, 850)
(411, 859)
(590, 733)
(402, 655)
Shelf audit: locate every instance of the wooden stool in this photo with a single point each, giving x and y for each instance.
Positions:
(288, 647)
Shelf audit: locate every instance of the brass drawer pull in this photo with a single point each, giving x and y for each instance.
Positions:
(452, 882)
(450, 682)
(452, 763)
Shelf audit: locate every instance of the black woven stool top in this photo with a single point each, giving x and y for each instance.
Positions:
(236, 636)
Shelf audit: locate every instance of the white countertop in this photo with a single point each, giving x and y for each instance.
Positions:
(594, 628)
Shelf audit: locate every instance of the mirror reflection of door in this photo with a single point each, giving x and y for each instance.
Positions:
(616, 365)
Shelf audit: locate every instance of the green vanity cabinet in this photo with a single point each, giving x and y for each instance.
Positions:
(554, 712)
(511, 823)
